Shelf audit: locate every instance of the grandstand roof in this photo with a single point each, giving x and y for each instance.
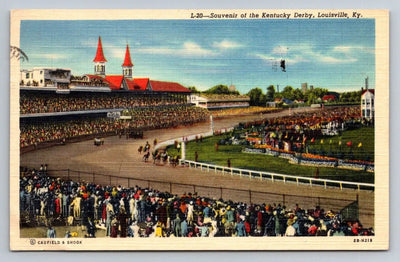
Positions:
(127, 61)
(137, 84)
(162, 86)
(95, 76)
(114, 81)
(99, 54)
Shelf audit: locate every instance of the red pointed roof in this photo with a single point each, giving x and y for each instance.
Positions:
(127, 61)
(162, 86)
(99, 54)
(370, 90)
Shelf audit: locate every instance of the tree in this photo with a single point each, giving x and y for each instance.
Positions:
(298, 94)
(219, 89)
(354, 96)
(193, 89)
(257, 98)
(320, 92)
(288, 92)
(270, 93)
(312, 96)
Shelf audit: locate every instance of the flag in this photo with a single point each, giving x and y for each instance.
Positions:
(322, 141)
(360, 145)
(348, 143)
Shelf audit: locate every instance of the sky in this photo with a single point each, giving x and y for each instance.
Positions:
(337, 54)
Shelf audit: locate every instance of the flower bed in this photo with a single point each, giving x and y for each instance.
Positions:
(311, 159)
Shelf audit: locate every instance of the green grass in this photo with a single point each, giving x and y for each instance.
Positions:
(364, 135)
(207, 154)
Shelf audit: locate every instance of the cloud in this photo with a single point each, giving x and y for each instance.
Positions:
(275, 59)
(280, 50)
(334, 60)
(193, 49)
(350, 49)
(116, 53)
(92, 43)
(226, 44)
(187, 49)
(50, 56)
(305, 53)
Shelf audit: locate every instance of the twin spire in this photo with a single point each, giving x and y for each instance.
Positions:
(99, 54)
(100, 60)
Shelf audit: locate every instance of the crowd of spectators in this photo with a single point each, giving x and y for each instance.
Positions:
(34, 102)
(225, 97)
(166, 117)
(144, 212)
(315, 119)
(211, 105)
(142, 118)
(241, 111)
(300, 128)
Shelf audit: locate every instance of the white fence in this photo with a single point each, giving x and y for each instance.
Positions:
(181, 139)
(252, 174)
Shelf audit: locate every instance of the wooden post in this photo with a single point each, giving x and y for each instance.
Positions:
(284, 199)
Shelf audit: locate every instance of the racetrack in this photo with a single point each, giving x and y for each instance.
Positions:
(119, 157)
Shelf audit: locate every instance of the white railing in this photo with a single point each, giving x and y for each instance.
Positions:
(253, 174)
(181, 139)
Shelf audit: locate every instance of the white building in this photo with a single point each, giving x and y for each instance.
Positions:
(368, 104)
(46, 77)
(198, 100)
(220, 101)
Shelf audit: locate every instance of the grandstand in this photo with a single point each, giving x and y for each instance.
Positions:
(57, 107)
(220, 101)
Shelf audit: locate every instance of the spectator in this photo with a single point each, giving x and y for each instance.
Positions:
(188, 215)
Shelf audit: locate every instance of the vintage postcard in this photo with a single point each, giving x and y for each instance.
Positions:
(199, 130)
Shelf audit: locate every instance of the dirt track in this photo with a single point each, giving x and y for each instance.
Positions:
(119, 157)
